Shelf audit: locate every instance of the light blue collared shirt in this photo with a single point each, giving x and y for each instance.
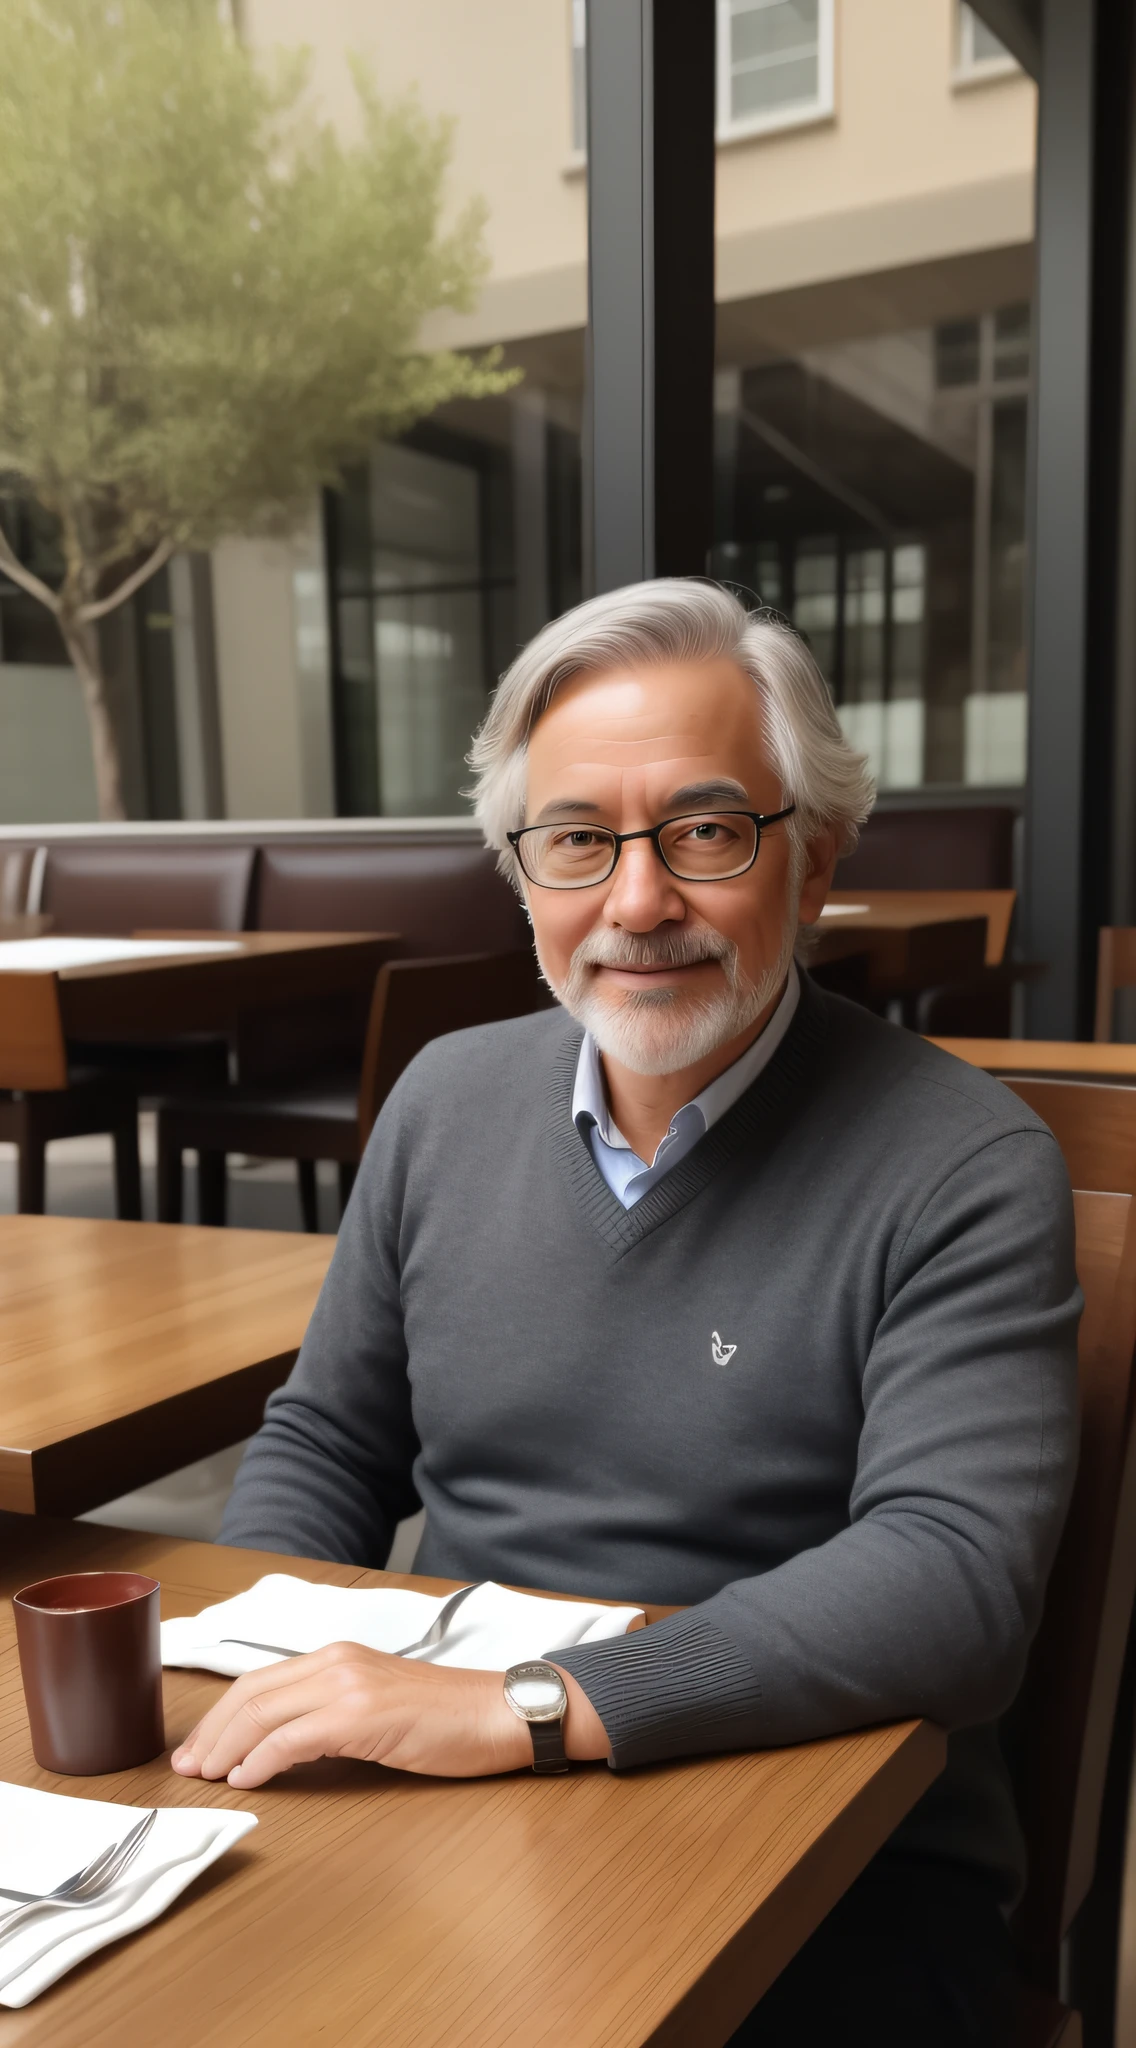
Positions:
(630, 1177)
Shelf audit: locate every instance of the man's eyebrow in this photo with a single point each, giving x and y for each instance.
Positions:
(701, 796)
(564, 807)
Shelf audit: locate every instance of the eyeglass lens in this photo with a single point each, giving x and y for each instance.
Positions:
(707, 848)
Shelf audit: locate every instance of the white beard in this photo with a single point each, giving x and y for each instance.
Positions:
(663, 1030)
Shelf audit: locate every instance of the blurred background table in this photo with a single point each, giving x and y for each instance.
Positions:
(1058, 1058)
(370, 1905)
(884, 910)
(123, 990)
(127, 1350)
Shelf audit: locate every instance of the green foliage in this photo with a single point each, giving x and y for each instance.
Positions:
(208, 300)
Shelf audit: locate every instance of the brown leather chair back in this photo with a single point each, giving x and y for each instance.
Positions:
(1060, 1729)
(1116, 968)
(417, 1000)
(444, 895)
(162, 885)
(1094, 1122)
(964, 847)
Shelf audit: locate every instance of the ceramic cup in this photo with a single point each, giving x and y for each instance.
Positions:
(90, 1658)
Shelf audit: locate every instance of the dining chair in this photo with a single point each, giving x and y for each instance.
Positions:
(1058, 1734)
(330, 1117)
(46, 1095)
(1116, 969)
(1094, 1122)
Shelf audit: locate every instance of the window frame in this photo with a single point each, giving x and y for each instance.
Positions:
(969, 69)
(577, 90)
(802, 113)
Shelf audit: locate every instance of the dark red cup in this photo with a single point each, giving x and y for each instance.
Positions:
(91, 1662)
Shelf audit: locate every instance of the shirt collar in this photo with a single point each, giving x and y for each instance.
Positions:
(589, 1102)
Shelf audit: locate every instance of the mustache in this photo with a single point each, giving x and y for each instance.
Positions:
(685, 947)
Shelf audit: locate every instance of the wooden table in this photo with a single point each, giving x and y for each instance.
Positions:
(887, 910)
(1059, 1058)
(137, 998)
(592, 1911)
(130, 1349)
(905, 949)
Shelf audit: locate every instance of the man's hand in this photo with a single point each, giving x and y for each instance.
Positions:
(350, 1701)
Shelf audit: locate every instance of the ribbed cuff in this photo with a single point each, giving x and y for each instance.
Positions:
(677, 1688)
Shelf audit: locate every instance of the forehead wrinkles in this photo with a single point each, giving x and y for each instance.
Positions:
(601, 751)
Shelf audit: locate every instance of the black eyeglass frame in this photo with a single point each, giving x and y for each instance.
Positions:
(759, 819)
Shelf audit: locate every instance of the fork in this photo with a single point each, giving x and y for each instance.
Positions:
(429, 1641)
(92, 1882)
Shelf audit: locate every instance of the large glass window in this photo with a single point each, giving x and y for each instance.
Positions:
(871, 393)
(980, 52)
(775, 63)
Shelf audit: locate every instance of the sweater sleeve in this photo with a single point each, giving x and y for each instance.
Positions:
(328, 1474)
(926, 1602)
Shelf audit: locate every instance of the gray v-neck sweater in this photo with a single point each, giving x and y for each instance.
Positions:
(818, 1385)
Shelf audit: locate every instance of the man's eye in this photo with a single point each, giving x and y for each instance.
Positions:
(577, 841)
(706, 832)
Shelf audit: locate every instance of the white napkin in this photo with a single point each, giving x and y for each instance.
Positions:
(491, 1630)
(45, 1838)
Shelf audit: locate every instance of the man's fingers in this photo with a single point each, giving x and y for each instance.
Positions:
(257, 1703)
(260, 1716)
(298, 1742)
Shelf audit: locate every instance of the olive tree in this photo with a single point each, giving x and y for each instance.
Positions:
(209, 300)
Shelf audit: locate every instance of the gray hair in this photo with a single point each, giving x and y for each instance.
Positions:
(670, 620)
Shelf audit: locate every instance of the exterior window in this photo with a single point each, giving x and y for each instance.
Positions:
(579, 77)
(775, 64)
(872, 488)
(979, 53)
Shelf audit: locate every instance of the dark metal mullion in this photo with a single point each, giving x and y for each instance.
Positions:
(648, 441)
(618, 469)
(1053, 876)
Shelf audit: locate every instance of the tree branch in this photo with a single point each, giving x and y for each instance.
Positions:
(13, 567)
(98, 610)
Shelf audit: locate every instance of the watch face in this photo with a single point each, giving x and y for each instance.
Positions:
(536, 1691)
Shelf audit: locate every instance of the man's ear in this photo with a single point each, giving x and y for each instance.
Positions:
(821, 853)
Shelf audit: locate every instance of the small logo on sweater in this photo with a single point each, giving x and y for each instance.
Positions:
(719, 1352)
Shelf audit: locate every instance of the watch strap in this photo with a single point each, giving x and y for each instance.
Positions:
(549, 1754)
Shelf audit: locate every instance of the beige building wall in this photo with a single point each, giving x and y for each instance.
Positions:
(911, 166)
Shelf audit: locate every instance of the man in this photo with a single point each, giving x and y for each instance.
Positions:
(737, 1298)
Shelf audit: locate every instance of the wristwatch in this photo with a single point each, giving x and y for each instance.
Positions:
(537, 1694)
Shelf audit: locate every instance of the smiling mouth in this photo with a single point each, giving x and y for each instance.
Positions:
(665, 971)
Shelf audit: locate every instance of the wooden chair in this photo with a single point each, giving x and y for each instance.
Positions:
(1116, 969)
(1094, 1123)
(331, 1117)
(1058, 1734)
(45, 1096)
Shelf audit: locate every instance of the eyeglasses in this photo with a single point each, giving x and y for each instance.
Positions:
(708, 846)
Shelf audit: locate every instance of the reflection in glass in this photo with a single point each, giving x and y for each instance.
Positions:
(446, 552)
(873, 489)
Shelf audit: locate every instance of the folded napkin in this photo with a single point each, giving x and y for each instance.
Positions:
(491, 1630)
(45, 1838)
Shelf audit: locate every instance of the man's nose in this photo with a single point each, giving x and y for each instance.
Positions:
(643, 892)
